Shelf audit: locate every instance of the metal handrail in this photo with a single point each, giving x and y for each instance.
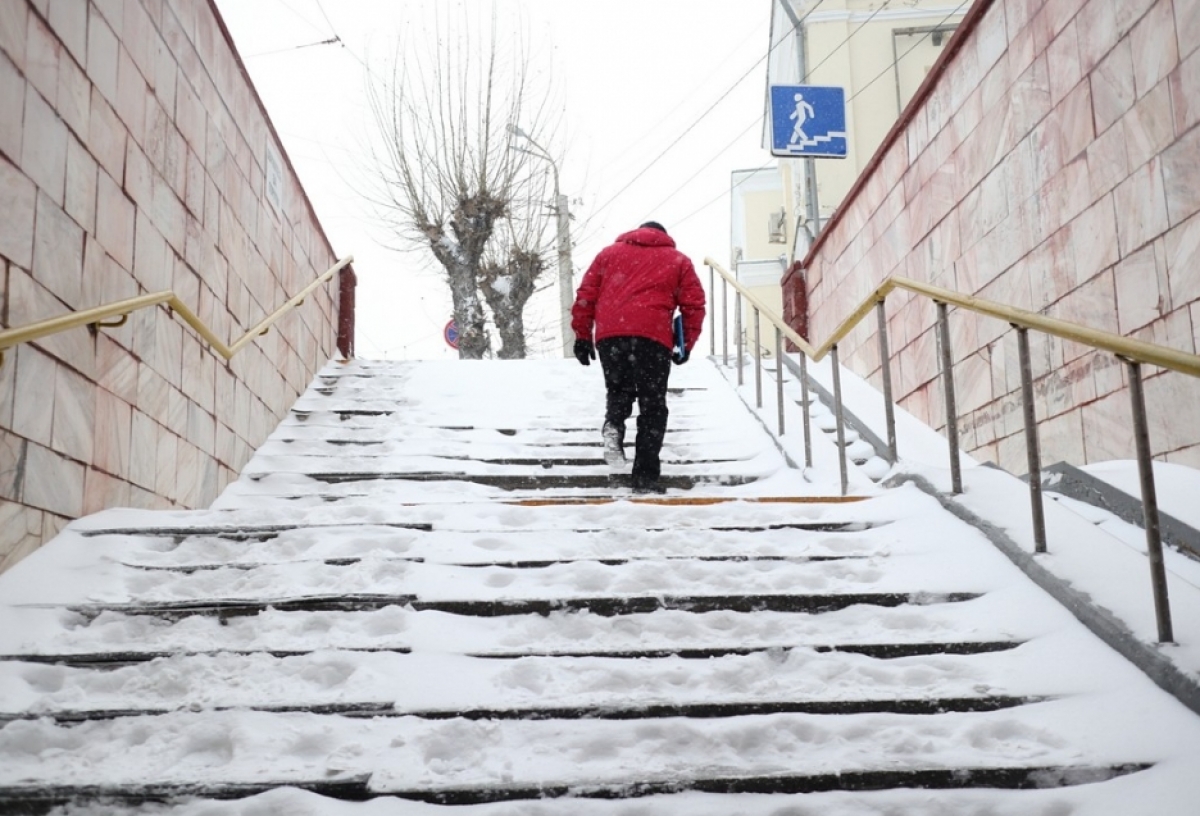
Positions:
(97, 316)
(1134, 353)
(1124, 347)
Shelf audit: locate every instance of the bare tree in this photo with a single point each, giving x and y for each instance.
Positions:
(448, 171)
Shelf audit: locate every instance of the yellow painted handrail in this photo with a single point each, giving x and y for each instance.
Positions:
(1125, 347)
(123, 308)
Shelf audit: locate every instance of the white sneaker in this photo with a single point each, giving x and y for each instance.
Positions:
(614, 450)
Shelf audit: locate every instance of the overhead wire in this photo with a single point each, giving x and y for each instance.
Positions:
(699, 119)
(757, 119)
(850, 99)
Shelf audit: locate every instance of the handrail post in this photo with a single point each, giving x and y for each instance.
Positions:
(951, 410)
(757, 363)
(1032, 449)
(737, 332)
(1158, 573)
(347, 282)
(724, 321)
(841, 425)
(885, 367)
(779, 376)
(712, 312)
(808, 457)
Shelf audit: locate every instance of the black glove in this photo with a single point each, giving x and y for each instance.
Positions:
(584, 352)
(680, 357)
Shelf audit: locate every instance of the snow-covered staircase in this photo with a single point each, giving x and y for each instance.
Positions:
(426, 590)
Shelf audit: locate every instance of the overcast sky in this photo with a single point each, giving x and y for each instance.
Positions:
(660, 102)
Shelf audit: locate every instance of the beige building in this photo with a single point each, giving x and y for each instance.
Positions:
(135, 158)
(879, 51)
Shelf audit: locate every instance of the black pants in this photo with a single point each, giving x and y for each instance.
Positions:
(637, 368)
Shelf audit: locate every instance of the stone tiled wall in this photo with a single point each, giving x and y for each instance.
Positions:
(133, 159)
(1056, 167)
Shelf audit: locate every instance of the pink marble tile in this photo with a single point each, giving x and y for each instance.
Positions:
(130, 103)
(1139, 300)
(58, 252)
(102, 56)
(74, 410)
(176, 416)
(1108, 161)
(1074, 116)
(1063, 198)
(74, 96)
(34, 370)
(1097, 32)
(1154, 45)
(1113, 91)
(187, 475)
(1064, 64)
(116, 369)
(115, 219)
(151, 260)
(1106, 424)
(143, 450)
(101, 492)
(80, 196)
(53, 482)
(113, 12)
(14, 23)
(44, 146)
(138, 36)
(69, 19)
(1148, 128)
(165, 73)
(106, 137)
(1170, 396)
(114, 427)
(1182, 252)
(1061, 438)
(1187, 26)
(1185, 93)
(1093, 237)
(1141, 205)
(1109, 376)
(1129, 12)
(167, 465)
(42, 53)
(1173, 330)
(18, 203)
(202, 428)
(12, 99)
(1181, 174)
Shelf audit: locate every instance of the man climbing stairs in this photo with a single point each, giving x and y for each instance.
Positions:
(427, 590)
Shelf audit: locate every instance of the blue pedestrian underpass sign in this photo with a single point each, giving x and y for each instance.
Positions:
(808, 120)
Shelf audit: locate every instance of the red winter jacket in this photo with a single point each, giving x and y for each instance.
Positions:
(633, 288)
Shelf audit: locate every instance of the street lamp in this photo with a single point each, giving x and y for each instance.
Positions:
(566, 291)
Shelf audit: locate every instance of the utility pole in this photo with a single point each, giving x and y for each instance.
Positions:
(566, 283)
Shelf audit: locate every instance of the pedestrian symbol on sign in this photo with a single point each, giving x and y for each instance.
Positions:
(808, 120)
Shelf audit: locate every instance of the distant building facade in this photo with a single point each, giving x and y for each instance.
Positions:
(136, 157)
(880, 53)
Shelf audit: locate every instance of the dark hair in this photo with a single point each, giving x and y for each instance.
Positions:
(653, 225)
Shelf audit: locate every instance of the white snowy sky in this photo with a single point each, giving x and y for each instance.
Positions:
(635, 81)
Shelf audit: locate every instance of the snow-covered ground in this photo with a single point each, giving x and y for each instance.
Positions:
(283, 692)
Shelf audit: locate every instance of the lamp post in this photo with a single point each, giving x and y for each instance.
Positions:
(566, 289)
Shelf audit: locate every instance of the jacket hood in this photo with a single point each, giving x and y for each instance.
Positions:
(646, 236)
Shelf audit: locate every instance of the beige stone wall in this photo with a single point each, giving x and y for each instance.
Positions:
(1054, 167)
(133, 159)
